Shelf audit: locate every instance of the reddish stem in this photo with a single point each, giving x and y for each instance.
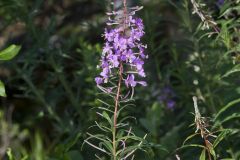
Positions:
(208, 151)
(116, 111)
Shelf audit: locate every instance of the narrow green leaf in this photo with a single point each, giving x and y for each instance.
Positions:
(9, 52)
(220, 137)
(72, 142)
(228, 118)
(2, 89)
(229, 10)
(25, 157)
(192, 145)
(213, 153)
(107, 117)
(230, 104)
(102, 127)
(9, 154)
(231, 71)
(231, 50)
(190, 137)
(107, 144)
(203, 155)
(157, 146)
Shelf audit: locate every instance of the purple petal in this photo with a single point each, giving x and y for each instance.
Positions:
(99, 80)
(143, 83)
(171, 104)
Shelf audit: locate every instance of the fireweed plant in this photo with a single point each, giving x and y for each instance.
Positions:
(121, 66)
(202, 129)
(214, 131)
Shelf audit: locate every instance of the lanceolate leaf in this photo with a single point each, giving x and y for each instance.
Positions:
(230, 104)
(231, 117)
(192, 145)
(233, 70)
(229, 10)
(212, 152)
(9, 154)
(2, 89)
(106, 116)
(9, 52)
(72, 142)
(203, 155)
(190, 137)
(220, 137)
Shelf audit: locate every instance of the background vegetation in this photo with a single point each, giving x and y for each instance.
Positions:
(50, 84)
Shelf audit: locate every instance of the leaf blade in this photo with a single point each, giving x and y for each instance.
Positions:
(2, 89)
(10, 52)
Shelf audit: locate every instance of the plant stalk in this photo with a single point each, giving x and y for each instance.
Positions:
(120, 76)
(208, 150)
(116, 111)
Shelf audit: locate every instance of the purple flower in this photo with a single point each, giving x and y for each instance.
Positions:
(104, 73)
(143, 83)
(130, 42)
(138, 63)
(141, 73)
(171, 104)
(108, 35)
(167, 97)
(139, 23)
(98, 80)
(130, 81)
(113, 59)
(104, 64)
(141, 52)
(123, 46)
(130, 56)
(107, 49)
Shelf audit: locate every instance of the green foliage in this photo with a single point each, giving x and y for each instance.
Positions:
(7, 54)
(2, 89)
(11, 156)
(233, 70)
(203, 155)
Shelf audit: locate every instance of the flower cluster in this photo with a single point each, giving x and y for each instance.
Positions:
(167, 97)
(123, 48)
